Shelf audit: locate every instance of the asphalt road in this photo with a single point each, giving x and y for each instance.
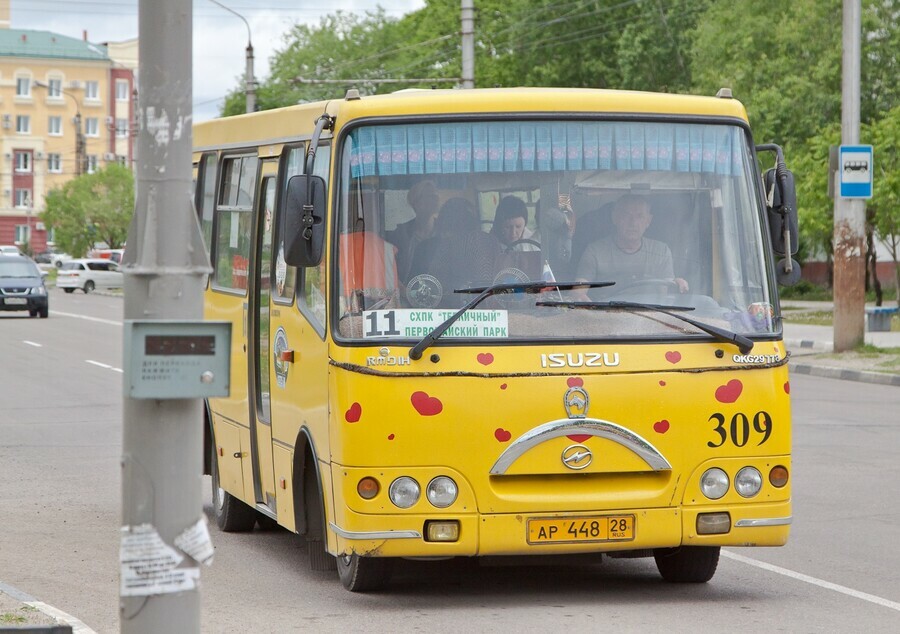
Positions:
(60, 445)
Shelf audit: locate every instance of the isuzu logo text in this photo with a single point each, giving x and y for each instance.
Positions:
(579, 360)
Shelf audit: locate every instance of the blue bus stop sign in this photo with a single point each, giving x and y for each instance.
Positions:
(855, 165)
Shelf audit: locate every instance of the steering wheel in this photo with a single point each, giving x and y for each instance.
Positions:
(511, 246)
(670, 286)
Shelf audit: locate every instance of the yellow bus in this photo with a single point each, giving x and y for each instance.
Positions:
(500, 322)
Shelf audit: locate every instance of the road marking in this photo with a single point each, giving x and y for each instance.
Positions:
(86, 318)
(32, 343)
(799, 576)
(103, 365)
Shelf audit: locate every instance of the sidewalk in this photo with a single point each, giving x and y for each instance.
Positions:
(811, 349)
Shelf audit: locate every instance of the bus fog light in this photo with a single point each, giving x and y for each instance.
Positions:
(778, 476)
(441, 492)
(404, 492)
(714, 483)
(367, 488)
(442, 531)
(748, 482)
(713, 523)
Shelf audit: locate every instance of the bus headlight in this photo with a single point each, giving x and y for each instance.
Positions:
(714, 483)
(748, 482)
(441, 492)
(404, 492)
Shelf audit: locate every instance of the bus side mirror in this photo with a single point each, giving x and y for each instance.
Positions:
(781, 204)
(781, 208)
(303, 221)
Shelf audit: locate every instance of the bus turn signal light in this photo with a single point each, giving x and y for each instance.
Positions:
(713, 523)
(778, 476)
(367, 488)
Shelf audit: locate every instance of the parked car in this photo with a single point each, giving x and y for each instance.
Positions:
(22, 286)
(89, 274)
(9, 249)
(52, 256)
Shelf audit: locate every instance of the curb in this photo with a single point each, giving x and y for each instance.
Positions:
(808, 345)
(68, 624)
(846, 375)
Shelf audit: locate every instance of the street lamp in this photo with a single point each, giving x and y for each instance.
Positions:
(80, 157)
(249, 80)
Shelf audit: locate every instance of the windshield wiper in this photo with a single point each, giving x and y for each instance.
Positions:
(484, 292)
(744, 344)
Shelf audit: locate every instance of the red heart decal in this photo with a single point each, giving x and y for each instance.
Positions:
(353, 414)
(574, 381)
(662, 384)
(787, 387)
(502, 435)
(578, 437)
(729, 392)
(661, 426)
(673, 357)
(426, 405)
(485, 358)
(503, 386)
(391, 437)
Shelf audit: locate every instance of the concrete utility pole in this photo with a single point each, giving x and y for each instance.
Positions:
(249, 79)
(849, 214)
(164, 266)
(468, 44)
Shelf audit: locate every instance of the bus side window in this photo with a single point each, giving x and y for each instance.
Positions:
(205, 198)
(234, 220)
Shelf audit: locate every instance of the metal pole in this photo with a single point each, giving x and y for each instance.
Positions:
(468, 44)
(849, 214)
(165, 267)
(249, 79)
(80, 157)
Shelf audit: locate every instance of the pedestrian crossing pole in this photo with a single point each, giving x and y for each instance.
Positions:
(165, 268)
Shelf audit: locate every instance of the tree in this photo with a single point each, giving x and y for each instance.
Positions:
(885, 203)
(92, 208)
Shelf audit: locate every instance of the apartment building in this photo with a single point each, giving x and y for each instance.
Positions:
(66, 108)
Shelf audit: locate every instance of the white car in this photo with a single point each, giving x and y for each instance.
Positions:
(89, 274)
(9, 249)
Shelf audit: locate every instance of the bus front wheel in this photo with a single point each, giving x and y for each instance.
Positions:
(363, 574)
(687, 564)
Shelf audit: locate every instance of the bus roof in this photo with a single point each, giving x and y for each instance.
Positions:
(269, 126)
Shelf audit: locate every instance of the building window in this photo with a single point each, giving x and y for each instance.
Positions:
(92, 90)
(54, 163)
(54, 126)
(121, 90)
(121, 128)
(91, 163)
(23, 234)
(54, 88)
(23, 162)
(23, 86)
(23, 124)
(22, 198)
(91, 126)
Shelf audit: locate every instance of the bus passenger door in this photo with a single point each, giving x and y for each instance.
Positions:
(260, 335)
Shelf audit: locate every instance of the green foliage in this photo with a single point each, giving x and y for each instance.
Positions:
(92, 208)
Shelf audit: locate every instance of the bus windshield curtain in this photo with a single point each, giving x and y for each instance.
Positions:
(517, 146)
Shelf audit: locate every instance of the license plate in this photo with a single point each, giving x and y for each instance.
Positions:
(579, 530)
(16, 301)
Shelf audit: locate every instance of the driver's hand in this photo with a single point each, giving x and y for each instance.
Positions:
(682, 285)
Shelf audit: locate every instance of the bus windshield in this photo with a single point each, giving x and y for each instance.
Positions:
(665, 214)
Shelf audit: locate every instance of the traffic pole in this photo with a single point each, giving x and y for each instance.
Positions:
(468, 43)
(849, 214)
(165, 266)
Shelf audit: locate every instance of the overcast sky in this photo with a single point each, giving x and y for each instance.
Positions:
(220, 38)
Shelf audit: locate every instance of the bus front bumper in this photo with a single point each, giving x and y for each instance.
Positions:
(765, 524)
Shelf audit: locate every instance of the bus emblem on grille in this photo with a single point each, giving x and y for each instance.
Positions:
(576, 402)
(577, 457)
